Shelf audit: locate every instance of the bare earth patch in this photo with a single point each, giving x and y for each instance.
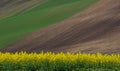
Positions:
(13, 7)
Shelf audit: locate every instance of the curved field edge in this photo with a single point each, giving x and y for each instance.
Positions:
(59, 62)
(15, 27)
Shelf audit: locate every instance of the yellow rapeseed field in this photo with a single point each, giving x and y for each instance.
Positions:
(58, 62)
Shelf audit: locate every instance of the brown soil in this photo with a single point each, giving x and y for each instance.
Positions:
(13, 7)
(97, 29)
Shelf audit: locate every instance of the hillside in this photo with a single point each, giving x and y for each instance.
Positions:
(96, 29)
(46, 13)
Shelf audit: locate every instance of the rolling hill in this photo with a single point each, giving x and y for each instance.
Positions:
(48, 12)
(94, 30)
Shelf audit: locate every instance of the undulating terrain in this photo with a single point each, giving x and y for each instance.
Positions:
(59, 35)
(34, 15)
(97, 29)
